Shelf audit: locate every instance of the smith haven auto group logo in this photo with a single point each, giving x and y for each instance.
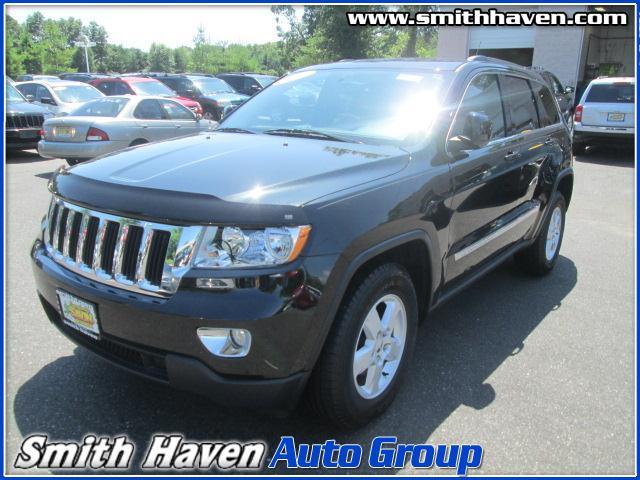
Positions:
(173, 452)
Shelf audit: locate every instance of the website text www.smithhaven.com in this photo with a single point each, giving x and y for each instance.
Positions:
(489, 17)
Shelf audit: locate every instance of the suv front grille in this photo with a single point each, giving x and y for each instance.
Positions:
(24, 121)
(135, 255)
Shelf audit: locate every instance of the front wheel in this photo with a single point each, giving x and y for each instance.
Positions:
(542, 255)
(368, 349)
(210, 115)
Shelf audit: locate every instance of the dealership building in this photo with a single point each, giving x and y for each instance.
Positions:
(575, 54)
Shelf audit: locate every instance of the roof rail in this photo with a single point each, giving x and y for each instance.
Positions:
(484, 58)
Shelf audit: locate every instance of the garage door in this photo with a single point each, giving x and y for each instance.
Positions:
(501, 37)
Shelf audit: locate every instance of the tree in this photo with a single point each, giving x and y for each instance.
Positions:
(161, 58)
(14, 55)
(98, 35)
(182, 59)
(200, 50)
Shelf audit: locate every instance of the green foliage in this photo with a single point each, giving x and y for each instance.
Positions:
(320, 34)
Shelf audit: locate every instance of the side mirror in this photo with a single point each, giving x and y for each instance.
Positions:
(569, 89)
(476, 134)
(47, 101)
(228, 110)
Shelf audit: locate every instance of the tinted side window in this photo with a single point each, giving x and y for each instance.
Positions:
(42, 92)
(519, 102)
(105, 87)
(120, 88)
(546, 106)
(149, 110)
(175, 111)
(483, 96)
(27, 89)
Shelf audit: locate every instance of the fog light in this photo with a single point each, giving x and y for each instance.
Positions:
(226, 342)
(215, 283)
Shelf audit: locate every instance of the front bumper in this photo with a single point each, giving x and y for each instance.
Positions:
(157, 338)
(22, 137)
(50, 149)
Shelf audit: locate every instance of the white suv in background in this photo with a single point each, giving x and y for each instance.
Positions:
(605, 113)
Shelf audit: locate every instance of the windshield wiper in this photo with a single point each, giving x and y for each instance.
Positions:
(233, 130)
(304, 133)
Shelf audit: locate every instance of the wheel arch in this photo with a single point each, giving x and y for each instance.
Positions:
(138, 141)
(414, 250)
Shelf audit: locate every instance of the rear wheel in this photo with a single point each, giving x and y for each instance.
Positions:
(368, 349)
(542, 255)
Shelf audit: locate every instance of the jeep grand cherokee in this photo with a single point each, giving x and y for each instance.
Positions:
(294, 250)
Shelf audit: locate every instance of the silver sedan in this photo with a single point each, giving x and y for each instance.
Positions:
(109, 124)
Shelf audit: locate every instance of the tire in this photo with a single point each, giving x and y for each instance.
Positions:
(210, 115)
(537, 259)
(578, 149)
(335, 392)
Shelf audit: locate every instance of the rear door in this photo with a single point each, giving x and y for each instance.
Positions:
(609, 105)
(152, 121)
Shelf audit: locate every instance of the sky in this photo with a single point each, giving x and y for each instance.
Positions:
(174, 25)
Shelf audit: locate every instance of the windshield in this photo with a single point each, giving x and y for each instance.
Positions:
(365, 105)
(612, 93)
(152, 88)
(13, 95)
(265, 80)
(104, 107)
(210, 86)
(77, 93)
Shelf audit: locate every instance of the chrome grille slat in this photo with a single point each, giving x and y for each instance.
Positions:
(123, 259)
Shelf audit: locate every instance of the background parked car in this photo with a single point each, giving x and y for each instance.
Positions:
(82, 77)
(247, 83)
(130, 85)
(564, 95)
(113, 123)
(23, 121)
(29, 77)
(605, 113)
(214, 94)
(59, 97)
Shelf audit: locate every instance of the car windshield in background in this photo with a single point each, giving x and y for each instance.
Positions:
(361, 105)
(104, 107)
(265, 80)
(77, 93)
(612, 93)
(13, 95)
(210, 86)
(152, 88)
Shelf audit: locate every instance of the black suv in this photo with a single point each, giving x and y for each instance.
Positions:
(214, 94)
(296, 248)
(247, 83)
(24, 121)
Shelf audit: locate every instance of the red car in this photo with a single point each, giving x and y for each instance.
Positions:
(142, 86)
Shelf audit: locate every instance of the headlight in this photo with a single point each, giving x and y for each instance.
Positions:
(230, 247)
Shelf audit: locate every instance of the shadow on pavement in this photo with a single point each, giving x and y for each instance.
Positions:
(458, 348)
(24, 156)
(617, 156)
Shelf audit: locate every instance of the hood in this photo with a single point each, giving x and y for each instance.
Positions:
(25, 107)
(246, 168)
(227, 98)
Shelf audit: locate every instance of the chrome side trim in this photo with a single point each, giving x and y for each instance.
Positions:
(175, 264)
(497, 233)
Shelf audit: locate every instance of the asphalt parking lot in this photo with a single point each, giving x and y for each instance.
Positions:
(540, 372)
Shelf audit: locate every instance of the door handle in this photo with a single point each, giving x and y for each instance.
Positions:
(144, 125)
(511, 156)
(549, 141)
